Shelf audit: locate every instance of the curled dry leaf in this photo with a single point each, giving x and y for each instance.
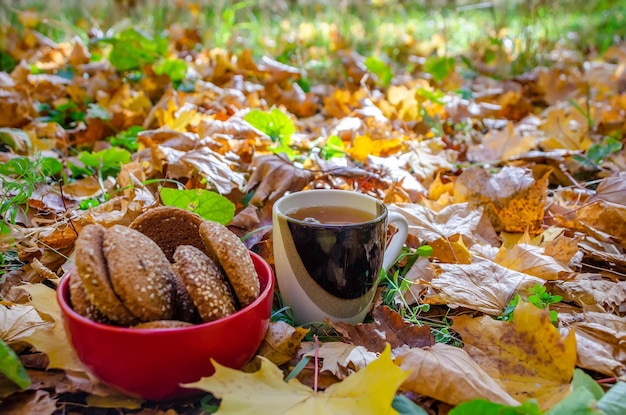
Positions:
(483, 286)
(388, 328)
(527, 355)
(600, 339)
(281, 342)
(273, 177)
(448, 373)
(342, 359)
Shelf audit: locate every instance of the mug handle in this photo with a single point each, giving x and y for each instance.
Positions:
(397, 240)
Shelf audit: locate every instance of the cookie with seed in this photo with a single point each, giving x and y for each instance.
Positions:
(184, 307)
(162, 324)
(140, 273)
(232, 256)
(91, 266)
(170, 227)
(205, 283)
(80, 301)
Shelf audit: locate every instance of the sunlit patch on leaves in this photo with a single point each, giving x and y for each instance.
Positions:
(210, 205)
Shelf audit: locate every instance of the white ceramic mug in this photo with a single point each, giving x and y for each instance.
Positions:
(331, 270)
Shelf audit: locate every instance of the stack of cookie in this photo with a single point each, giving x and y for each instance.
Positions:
(169, 268)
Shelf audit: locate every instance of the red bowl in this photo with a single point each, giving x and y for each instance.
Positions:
(152, 363)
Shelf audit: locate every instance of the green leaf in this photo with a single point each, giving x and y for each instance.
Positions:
(175, 69)
(483, 407)
(127, 139)
(383, 72)
(405, 406)
(210, 205)
(11, 366)
(614, 401)
(133, 49)
(424, 250)
(583, 380)
(580, 402)
(334, 147)
(276, 124)
(439, 67)
(108, 161)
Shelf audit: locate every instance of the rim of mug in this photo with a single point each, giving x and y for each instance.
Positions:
(381, 217)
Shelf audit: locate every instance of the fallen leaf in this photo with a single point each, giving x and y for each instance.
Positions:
(273, 177)
(39, 402)
(527, 355)
(530, 259)
(368, 391)
(281, 342)
(501, 145)
(428, 225)
(483, 286)
(388, 328)
(342, 359)
(448, 373)
(52, 340)
(600, 341)
(612, 189)
(18, 321)
(512, 198)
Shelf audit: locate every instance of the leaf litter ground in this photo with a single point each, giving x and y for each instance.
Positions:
(513, 278)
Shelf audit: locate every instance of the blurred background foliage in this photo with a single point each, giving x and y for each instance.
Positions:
(512, 35)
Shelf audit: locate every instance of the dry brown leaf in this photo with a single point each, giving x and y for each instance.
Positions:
(273, 177)
(591, 292)
(483, 286)
(613, 189)
(342, 359)
(52, 340)
(428, 225)
(18, 321)
(448, 373)
(530, 259)
(527, 355)
(429, 156)
(501, 145)
(388, 328)
(281, 342)
(603, 220)
(512, 198)
(600, 339)
(39, 402)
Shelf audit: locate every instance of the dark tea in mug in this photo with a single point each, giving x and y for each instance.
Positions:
(340, 247)
(331, 215)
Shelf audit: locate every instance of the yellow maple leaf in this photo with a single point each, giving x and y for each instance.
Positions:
(368, 391)
(527, 355)
(51, 340)
(364, 145)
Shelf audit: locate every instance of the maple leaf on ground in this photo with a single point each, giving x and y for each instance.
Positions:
(600, 339)
(483, 285)
(447, 373)
(388, 328)
(273, 177)
(531, 260)
(512, 198)
(369, 391)
(613, 189)
(501, 145)
(18, 321)
(527, 355)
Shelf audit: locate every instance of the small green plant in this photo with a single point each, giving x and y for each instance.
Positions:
(381, 70)
(20, 176)
(132, 49)
(539, 297)
(127, 139)
(277, 125)
(210, 205)
(66, 114)
(598, 152)
(333, 147)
